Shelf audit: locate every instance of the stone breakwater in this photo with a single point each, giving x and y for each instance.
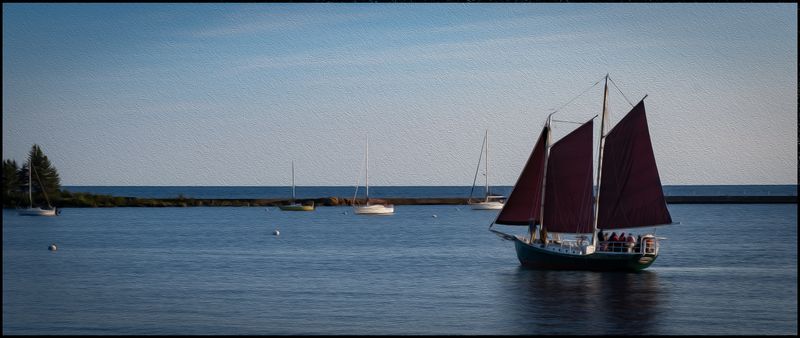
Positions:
(341, 201)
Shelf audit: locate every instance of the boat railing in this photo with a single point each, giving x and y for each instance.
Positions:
(647, 245)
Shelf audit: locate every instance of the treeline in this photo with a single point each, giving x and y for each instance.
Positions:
(36, 177)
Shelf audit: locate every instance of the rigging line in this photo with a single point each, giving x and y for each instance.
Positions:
(574, 121)
(620, 91)
(40, 185)
(567, 121)
(579, 95)
(476, 170)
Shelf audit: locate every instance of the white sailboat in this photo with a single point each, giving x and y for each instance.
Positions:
(370, 209)
(37, 211)
(294, 206)
(490, 202)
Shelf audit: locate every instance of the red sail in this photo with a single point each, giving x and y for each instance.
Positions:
(568, 201)
(525, 202)
(630, 188)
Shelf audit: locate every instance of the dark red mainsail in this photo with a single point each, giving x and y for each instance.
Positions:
(524, 204)
(630, 189)
(568, 201)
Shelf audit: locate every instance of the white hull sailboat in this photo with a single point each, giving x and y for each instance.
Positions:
(374, 209)
(30, 211)
(294, 206)
(486, 205)
(554, 197)
(37, 211)
(370, 209)
(490, 202)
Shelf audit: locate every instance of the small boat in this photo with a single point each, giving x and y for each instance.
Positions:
(368, 208)
(490, 202)
(31, 210)
(374, 209)
(37, 211)
(297, 207)
(293, 206)
(554, 194)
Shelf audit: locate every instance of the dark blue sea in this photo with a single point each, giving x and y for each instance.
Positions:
(725, 269)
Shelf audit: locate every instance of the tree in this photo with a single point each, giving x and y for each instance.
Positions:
(11, 183)
(45, 177)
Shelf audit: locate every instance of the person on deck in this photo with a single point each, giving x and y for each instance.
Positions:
(601, 239)
(614, 238)
(637, 247)
(631, 242)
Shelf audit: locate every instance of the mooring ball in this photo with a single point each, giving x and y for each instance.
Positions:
(52, 247)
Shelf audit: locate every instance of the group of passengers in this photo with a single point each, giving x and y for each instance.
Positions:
(619, 243)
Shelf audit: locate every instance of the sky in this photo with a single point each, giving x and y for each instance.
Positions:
(231, 94)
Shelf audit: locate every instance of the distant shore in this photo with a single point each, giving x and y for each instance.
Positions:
(340, 201)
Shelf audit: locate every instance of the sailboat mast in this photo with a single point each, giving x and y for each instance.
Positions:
(544, 173)
(30, 184)
(366, 166)
(486, 137)
(293, 182)
(600, 162)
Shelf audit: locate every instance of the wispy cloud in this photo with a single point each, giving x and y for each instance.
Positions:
(243, 23)
(444, 51)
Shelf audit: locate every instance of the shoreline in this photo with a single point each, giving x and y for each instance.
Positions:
(340, 201)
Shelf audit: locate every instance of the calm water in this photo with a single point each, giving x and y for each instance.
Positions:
(252, 192)
(726, 269)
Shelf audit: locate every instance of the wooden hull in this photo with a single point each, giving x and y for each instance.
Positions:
(296, 207)
(536, 257)
(37, 212)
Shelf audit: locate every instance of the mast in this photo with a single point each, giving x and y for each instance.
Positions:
(30, 183)
(292, 181)
(544, 174)
(486, 138)
(600, 162)
(366, 166)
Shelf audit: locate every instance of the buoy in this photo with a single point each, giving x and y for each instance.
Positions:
(276, 232)
(434, 216)
(52, 247)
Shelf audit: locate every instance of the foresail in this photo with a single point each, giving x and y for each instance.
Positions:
(523, 206)
(568, 187)
(630, 192)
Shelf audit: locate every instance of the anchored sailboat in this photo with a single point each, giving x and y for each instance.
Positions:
(37, 211)
(293, 206)
(370, 209)
(553, 194)
(490, 202)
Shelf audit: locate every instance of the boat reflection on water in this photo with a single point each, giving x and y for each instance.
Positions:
(584, 302)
